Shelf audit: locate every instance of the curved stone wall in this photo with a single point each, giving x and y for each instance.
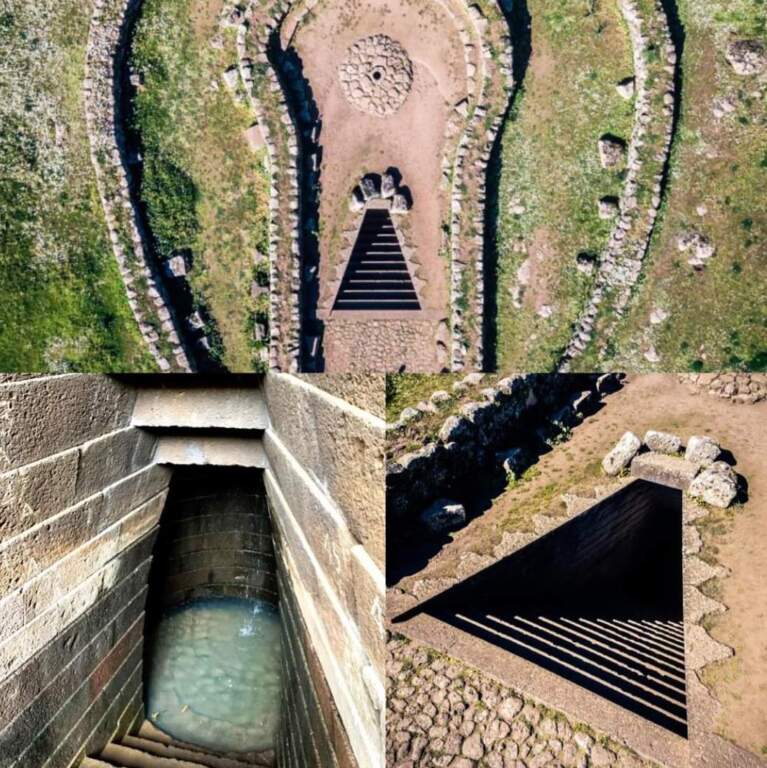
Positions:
(620, 264)
(143, 285)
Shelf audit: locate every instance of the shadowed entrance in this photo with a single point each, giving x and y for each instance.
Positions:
(597, 601)
(377, 276)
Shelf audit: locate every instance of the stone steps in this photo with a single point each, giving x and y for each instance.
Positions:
(377, 276)
(151, 748)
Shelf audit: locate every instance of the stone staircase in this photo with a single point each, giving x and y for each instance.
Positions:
(377, 275)
(151, 748)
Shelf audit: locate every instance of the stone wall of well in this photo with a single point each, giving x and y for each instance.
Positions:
(80, 502)
(215, 539)
(325, 485)
(312, 732)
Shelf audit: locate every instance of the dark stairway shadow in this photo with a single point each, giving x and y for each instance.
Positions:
(597, 601)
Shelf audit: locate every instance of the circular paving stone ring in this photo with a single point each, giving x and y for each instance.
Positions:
(376, 75)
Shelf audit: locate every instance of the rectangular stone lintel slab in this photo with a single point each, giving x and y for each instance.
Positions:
(181, 450)
(201, 408)
(673, 471)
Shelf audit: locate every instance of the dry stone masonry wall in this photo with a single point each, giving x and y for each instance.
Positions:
(620, 264)
(81, 501)
(469, 440)
(266, 95)
(466, 172)
(143, 285)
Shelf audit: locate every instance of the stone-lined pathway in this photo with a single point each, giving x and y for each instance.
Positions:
(443, 714)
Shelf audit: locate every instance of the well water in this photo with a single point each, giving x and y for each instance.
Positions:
(214, 674)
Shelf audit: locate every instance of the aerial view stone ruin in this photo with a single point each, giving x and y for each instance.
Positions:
(426, 186)
(383, 383)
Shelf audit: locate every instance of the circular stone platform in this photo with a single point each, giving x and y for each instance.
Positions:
(376, 75)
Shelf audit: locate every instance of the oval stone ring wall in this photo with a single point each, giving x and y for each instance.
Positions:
(376, 75)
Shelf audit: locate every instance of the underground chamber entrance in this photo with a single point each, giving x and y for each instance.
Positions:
(213, 652)
(597, 601)
(377, 276)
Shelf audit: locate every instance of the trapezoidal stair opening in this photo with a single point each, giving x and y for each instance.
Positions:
(597, 601)
(377, 276)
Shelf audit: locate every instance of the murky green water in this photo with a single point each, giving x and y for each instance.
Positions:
(214, 674)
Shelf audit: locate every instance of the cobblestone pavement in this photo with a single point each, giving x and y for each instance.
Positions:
(442, 714)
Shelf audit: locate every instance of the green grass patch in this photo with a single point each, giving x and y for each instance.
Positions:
(206, 192)
(62, 302)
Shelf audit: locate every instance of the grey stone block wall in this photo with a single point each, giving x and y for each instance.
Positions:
(79, 506)
(215, 539)
(325, 485)
(312, 732)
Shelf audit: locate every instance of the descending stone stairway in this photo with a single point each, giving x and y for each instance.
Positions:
(377, 275)
(151, 748)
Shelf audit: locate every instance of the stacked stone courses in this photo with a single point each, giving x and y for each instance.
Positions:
(325, 489)
(467, 172)
(146, 294)
(81, 501)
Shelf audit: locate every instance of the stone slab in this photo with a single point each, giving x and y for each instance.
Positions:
(201, 408)
(79, 408)
(217, 451)
(673, 471)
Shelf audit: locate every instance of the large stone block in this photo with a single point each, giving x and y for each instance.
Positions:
(45, 416)
(664, 469)
(310, 517)
(128, 597)
(369, 604)
(201, 408)
(56, 708)
(112, 458)
(191, 450)
(41, 547)
(35, 492)
(367, 391)
(54, 622)
(345, 663)
(108, 690)
(341, 448)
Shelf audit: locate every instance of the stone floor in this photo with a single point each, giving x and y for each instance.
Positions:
(442, 714)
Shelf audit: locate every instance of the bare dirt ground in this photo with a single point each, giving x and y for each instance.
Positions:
(734, 538)
(410, 140)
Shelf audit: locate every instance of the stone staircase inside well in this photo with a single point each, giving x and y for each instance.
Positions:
(149, 747)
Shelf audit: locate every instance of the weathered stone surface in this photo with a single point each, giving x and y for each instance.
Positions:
(513, 461)
(717, 485)
(443, 515)
(622, 454)
(747, 57)
(612, 151)
(662, 442)
(608, 208)
(661, 468)
(701, 249)
(340, 447)
(81, 413)
(702, 450)
(626, 88)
